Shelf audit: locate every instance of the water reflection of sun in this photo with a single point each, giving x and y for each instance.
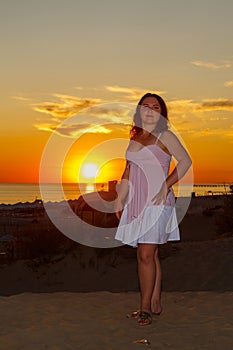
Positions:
(90, 188)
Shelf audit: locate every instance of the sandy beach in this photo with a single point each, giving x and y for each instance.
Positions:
(75, 297)
(191, 320)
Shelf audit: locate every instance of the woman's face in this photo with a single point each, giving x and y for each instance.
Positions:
(150, 111)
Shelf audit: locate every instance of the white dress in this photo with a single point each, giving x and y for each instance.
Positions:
(141, 220)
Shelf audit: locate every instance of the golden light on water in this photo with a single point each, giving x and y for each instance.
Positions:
(90, 188)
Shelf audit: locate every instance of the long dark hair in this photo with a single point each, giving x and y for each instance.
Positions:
(137, 121)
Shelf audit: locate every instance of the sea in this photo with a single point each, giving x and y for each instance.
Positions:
(12, 193)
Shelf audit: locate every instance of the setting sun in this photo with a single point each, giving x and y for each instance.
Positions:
(89, 170)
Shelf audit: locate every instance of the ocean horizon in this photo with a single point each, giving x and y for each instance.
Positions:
(12, 193)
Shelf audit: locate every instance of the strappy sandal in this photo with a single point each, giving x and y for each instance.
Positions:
(133, 314)
(144, 318)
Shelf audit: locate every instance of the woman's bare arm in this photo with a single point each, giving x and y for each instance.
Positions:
(184, 161)
(122, 191)
(174, 146)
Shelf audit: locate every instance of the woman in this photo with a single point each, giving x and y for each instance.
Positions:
(145, 192)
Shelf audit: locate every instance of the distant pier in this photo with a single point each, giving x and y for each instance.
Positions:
(223, 189)
(212, 185)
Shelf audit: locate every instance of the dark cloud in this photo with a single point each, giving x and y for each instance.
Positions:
(223, 104)
(68, 106)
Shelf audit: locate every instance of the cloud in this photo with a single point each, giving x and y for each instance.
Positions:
(131, 94)
(190, 106)
(20, 98)
(68, 105)
(70, 129)
(100, 118)
(181, 106)
(198, 118)
(45, 127)
(74, 130)
(228, 83)
(211, 65)
(74, 116)
(219, 104)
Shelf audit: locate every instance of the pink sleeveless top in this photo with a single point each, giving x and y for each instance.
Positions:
(149, 168)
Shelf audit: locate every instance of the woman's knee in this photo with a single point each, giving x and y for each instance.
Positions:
(145, 256)
(156, 254)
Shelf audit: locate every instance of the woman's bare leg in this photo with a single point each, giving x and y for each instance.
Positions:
(156, 296)
(146, 273)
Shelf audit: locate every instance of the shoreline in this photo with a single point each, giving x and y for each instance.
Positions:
(38, 201)
(8, 191)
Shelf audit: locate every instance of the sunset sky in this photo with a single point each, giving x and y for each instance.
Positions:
(59, 57)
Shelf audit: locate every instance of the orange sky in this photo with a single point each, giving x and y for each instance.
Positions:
(209, 147)
(58, 60)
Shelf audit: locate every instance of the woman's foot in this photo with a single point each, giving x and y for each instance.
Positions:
(157, 313)
(144, 318)
(156, 309)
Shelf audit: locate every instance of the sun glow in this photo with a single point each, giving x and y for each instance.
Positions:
(89, 170)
